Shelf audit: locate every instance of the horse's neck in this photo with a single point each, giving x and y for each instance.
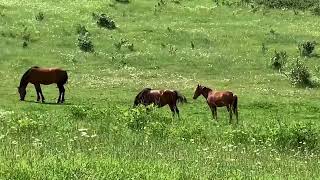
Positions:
(206, 92)
(24, 83)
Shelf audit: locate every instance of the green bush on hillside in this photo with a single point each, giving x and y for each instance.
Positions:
(299, 74)
(279, 60)
(290, 4)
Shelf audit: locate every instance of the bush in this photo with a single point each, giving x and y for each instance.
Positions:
(299, 74)
(123, 1)
(81, 30)
(104, 21)
(137, 118)
(316, 10)
(84, 43)
(290, 4)
(301, 136)
(279, 60)
(306, 48)
(27, 125)
(79, 112)
(39, 16)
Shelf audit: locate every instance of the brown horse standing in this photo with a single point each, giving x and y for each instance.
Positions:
(160, 98)
(218, 99)
(36, 76)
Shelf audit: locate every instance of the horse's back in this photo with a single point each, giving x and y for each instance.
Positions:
(221, 98)
(39, 75)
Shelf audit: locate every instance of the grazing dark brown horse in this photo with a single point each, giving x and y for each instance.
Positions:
(160, 98)
(36, 76)
(218, 99)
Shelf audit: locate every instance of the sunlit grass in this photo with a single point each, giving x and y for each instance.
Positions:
(97, 135)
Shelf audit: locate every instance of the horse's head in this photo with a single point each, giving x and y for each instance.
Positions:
(22, 91)
(198, 91)
(136, 102)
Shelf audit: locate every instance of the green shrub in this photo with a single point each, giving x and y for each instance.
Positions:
(104, 21)
(27, 125)
(81, 29)
(301, 136)
(39, 16)
(290, 4)
(79, 112)
(306, 48)
(299, 74)
(137, 118)
(316, 10)
(123, 1)
(84, 43)
(279, 60)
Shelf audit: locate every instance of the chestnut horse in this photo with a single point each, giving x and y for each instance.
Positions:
(36, 76)
(218, 99)
(160, 98)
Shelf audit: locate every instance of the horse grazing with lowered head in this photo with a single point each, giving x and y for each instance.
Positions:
(218, 99)
(36, 76)
(160, 98)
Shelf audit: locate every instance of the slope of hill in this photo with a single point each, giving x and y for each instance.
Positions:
(96, 134)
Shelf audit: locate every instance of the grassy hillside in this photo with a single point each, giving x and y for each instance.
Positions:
(96, 134)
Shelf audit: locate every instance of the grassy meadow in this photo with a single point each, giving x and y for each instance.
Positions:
(97, 135)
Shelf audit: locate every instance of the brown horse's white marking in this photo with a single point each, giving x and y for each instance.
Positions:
(36, 76)
(218, 99)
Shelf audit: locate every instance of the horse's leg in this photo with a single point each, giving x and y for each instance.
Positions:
(37, 87)
(235, 111)
(60, 93)
(215, 112)
(172, 109)
(230, 113)
(40, 91)
(177, 111)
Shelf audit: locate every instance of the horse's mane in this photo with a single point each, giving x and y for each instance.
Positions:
(26, 75)
(206, 88)
(140, 95)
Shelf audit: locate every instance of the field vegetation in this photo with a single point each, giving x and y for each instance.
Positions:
(264, 51)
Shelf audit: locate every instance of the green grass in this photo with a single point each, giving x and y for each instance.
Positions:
(93, 135)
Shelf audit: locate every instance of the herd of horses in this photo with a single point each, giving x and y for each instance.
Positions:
(37, 75)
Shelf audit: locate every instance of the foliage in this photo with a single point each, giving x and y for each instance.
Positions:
(291, 4)
(306, 48)
(123, 1)
(39, 16)
(84, 42)
(81, 30)
(299, 74)
(279, 60)
(104, 21)
(96, 134)
(316, 10)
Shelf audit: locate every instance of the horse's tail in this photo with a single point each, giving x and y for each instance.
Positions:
(180, 98)
(235, 106)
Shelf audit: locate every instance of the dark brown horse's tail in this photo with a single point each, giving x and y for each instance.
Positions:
(235, 105)
(180, 98)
